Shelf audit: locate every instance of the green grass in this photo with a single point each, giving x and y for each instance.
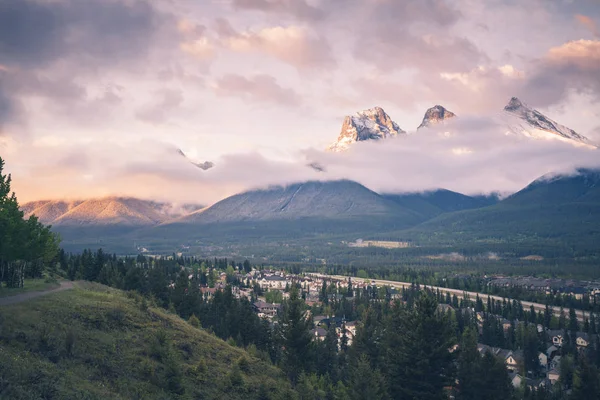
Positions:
(30, 285)
(94, 342)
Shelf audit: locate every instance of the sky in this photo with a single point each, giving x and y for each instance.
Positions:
(96, 96)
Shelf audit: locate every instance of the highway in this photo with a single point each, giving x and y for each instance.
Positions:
(459, 293)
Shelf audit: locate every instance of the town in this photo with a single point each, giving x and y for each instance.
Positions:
(538, 348)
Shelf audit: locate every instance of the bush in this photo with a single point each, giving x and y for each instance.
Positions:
(117, 315)
(243, 363)
(194, 321)
(235, 377)
(69, 342)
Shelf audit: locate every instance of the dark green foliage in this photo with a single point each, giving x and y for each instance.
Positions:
(26, 246)
(480, 377)
(419, 363)
(296, 338)
(364, 382)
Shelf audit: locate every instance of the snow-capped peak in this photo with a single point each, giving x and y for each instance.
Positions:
(435, 115)
(521, 119)
(370, 124)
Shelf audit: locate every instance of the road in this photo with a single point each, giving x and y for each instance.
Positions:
(472, 295)
(19, 298)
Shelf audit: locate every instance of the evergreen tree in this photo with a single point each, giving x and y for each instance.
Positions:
(364, 382)
(419, 361)
(469, 368)
(586, 382)
(296, 336)
(573, 323)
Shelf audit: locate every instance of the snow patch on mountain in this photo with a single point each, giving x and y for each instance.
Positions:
(522, 120)
(370, 124)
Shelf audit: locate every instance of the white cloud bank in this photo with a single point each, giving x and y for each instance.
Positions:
(470, 155)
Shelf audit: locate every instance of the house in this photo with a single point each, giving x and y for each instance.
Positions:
(350, 331)
(577, 292)
(505, 324)
(543, 359)
(551, 351)
(535, 384)
(319, 334)
(273, 282)
(512, 359)
(266, 310)
(480, 317)
(556, 337)
(351, 327)
(553, 376)
(583, 340)
(555, 363)
(207, 292)
(516, 380)
(445, 308)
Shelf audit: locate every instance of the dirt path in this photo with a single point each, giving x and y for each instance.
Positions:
(19, 298)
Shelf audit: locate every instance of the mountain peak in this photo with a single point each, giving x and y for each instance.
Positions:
(435, 115)
(530, 122)
(514, 104)
(370, 124)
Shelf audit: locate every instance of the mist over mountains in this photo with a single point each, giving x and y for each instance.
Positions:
(470, 154)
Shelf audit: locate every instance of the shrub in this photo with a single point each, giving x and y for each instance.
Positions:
(235, 377)
(69, 342)
(117, 315)
(243, 363)
(194, 321)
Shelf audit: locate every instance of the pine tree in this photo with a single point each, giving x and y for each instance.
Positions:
(419, 362)
(586, 382)
(364, 382)
(469, 371)
(296, 336)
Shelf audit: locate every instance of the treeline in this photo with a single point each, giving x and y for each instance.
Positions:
(448, 277)
(26, 245)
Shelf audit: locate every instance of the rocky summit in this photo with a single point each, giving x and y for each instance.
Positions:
(371, 124)
(521, 119)
(435, 115)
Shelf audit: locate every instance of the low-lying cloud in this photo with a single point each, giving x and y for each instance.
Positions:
(470, 155)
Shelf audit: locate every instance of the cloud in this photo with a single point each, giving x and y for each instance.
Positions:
(46, 46)
(588, 23)
(297, 8)
(293, 45)
(394, 35)
(157, 111)
(572, 66)
(259, 88)
(470, 154)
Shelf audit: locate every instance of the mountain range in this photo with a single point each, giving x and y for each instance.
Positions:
(126, 211)
(556, 214)
(558, 211)
(516, 117)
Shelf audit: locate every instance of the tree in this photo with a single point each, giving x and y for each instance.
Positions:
(364, 382)
(296, 337)
(247, 267)
(469, 371)
(586, 382)
(573, 323)
(26, 245)
(420, 364)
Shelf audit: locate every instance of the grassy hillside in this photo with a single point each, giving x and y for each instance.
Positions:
(94, 342)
